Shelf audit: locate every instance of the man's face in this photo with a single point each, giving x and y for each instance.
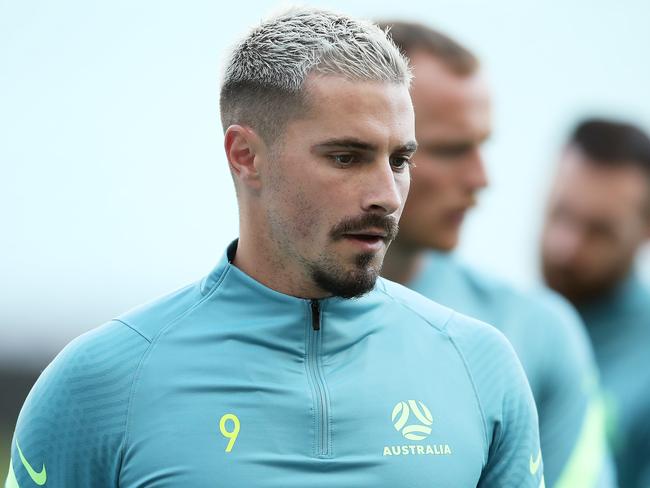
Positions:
(452, 121)
(338, 180)
(595, 223)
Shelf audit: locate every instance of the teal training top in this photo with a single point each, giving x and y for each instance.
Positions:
(554, 350)
(619, 326)
(227, 383)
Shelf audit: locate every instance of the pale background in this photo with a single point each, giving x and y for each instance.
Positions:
(113, 184)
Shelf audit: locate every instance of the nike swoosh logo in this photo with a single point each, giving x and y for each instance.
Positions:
(37, 477)
(534, 465)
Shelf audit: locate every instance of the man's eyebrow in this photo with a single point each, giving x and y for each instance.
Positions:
(409, 147)
(346, 143)
(458, 145)
(359, 145)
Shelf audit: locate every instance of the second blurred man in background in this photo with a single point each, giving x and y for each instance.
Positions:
(453, 119)
(598, 219)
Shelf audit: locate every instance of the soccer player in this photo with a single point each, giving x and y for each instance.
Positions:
(452, 107)
(267, 373)
(598, 218)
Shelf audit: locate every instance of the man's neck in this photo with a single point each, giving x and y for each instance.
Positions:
(258, 261)
(402, 263)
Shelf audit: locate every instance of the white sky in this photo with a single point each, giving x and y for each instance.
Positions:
(113, 184)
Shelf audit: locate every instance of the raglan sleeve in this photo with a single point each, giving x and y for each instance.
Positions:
(71, 427)
(572, 418)
(513, 456)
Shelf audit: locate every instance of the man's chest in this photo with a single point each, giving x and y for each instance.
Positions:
(351, 420)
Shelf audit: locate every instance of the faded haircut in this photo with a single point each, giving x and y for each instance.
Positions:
(412, 37)
(610, 142)
(264, 82)
(615, 144)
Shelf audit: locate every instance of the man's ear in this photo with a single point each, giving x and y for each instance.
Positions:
(243, 147)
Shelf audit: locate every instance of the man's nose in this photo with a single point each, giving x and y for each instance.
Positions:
(564, 241)
(475, 173)
(382, 190)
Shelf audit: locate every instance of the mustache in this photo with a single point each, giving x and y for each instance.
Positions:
(357, 225)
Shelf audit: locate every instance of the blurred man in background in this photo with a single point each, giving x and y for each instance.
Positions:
(598, 218)
(452, 107)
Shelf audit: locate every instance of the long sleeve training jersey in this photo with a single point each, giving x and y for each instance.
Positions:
(553, 347)
(227, 383)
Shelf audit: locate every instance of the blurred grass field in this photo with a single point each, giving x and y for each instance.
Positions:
(5, 440)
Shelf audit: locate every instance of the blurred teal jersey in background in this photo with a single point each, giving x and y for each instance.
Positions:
(619, 326)
(554, 350)
(229, 383)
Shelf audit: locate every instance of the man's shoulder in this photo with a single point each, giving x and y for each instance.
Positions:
(559, 315)
(150, 318)
(129, 332)
(468, 288)
(551, 322)
(440, 317)
(497, 290)
(110, 352)
(78, 407)
(539, 309)
(412, 303)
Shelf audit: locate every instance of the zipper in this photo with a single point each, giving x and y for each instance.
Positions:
(322, 441)
(315, 314)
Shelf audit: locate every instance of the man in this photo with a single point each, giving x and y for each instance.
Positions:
(452, 107)
(598, 218)
(265, 373)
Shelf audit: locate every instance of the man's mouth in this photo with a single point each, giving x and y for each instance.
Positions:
(369, 240)
(456, 216)
(371, 230)
(367, 235)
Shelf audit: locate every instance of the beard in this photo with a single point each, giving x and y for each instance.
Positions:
(354, 281)
(567, 285)
(580, 290)
(347, 283)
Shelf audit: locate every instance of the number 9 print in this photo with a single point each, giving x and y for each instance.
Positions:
(229, 434)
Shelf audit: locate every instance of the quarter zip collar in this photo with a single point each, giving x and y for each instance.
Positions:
(277, 317)
(627, 300)
(226, 271)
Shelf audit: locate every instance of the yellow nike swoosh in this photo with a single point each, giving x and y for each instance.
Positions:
(534, 465)
(37, 477)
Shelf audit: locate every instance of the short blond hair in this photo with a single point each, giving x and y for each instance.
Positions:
(263, 86)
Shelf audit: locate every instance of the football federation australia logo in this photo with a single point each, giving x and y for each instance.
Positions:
(412, 419)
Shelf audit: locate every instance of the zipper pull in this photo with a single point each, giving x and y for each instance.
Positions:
(315, 314)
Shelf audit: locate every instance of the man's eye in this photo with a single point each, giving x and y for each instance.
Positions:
(344, 159)
(400, 163)
(451, 152)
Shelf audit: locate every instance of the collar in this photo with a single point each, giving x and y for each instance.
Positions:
(227, 276)
(629, 295)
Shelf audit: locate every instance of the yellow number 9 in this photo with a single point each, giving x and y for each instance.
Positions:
(229, 434)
